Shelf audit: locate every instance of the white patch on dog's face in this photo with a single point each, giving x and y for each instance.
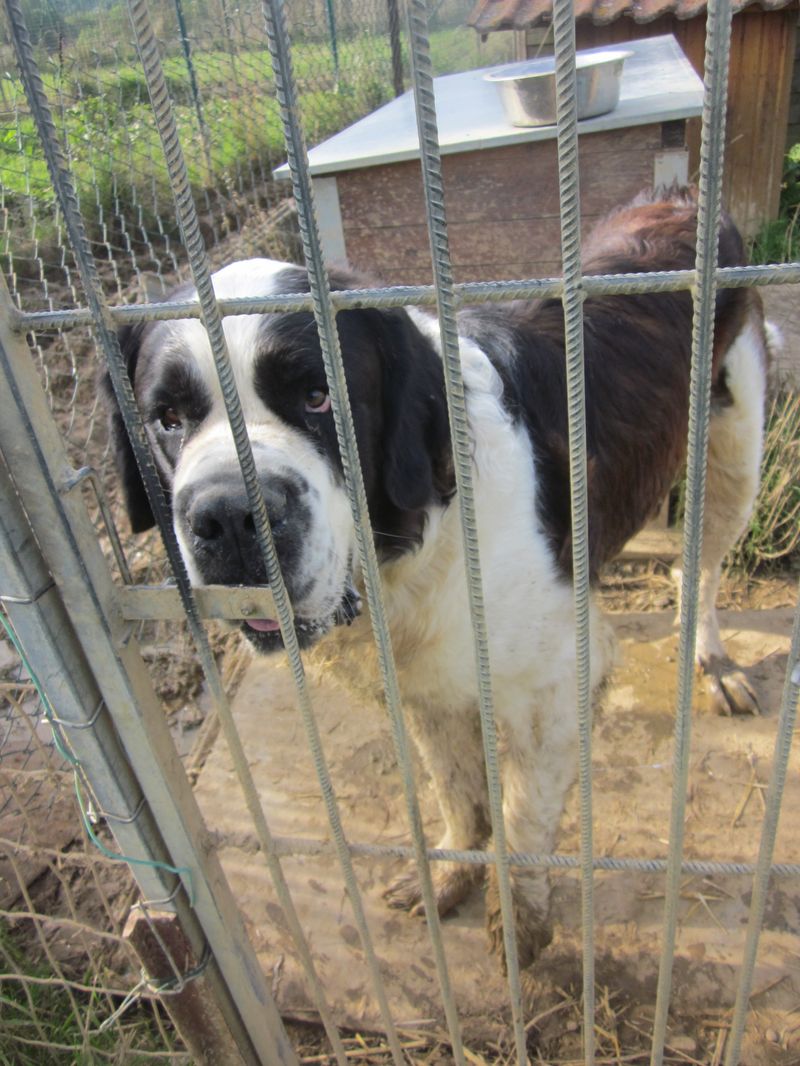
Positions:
(314, 536)
(297, 471)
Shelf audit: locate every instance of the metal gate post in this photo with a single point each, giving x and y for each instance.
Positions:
(79, 716)
(85, 734)
(30, 443)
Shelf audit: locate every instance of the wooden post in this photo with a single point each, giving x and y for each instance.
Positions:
(163, 948)
(394, 43)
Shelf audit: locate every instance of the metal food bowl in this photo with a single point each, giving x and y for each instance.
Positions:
(528, 89)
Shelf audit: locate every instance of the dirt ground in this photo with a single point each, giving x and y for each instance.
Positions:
(632, 776)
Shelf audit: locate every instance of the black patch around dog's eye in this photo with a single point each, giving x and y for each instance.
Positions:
(179, 395)
(289, 375)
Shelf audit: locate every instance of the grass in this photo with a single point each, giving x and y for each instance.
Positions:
(232, 138)
(45, 1021)
(773, 536)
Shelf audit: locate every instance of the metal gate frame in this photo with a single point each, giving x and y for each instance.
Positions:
(75, 621)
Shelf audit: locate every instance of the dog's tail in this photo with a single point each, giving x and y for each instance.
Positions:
(658, 232)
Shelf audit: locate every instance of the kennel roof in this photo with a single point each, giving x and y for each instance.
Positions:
(488, 16)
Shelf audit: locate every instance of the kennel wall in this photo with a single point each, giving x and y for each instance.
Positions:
(122, 738)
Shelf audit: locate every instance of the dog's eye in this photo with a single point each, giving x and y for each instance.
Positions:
(318, 401)
(170, 419)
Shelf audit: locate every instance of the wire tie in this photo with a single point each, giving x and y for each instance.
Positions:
(114, 856)
(123, 819)
(175, 985)
(88, 724)
(796, 673)
(142, 985)
(27, 601)
(85, 473)
(165, 902)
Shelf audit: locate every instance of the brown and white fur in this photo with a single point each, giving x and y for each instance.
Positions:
(637, 351)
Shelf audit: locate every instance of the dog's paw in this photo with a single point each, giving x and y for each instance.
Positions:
(729, 690)
(451, 883)
(532, 924)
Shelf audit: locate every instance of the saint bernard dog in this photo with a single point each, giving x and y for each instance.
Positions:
(637, 355)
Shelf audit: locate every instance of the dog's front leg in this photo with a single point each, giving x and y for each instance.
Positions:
(451, 749)
(538, 753)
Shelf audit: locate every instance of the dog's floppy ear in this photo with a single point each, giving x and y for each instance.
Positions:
(417, 461)
(138, 506)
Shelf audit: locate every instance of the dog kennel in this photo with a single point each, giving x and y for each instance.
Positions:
(500, 180)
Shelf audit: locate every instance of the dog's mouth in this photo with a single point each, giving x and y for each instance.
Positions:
(265, 633)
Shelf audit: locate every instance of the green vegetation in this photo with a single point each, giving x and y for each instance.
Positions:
(779, 241)
(46, 1022)
(773, 536)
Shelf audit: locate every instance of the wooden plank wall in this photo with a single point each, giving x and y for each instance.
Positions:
(502, 206)
(763, 48)
(793, 131)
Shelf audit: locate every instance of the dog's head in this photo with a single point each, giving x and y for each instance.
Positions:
(394, 380)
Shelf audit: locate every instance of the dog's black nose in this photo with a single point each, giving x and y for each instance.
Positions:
(220, 515)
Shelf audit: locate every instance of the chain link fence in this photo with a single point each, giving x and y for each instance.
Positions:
(67, 968)
(67, 971)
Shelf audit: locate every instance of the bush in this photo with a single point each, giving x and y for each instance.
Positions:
(779, 241)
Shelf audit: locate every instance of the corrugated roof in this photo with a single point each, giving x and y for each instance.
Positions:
(489, 15)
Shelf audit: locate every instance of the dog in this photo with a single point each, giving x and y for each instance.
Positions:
(637, 366)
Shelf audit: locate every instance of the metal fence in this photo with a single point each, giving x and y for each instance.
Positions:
(80, 629)
(67, 968)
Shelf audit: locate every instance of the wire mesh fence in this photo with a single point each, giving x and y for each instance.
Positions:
(220, 80)
(231, 114)
(218, 73)
(67, 969)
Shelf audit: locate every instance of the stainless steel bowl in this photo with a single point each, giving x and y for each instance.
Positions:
(528, 89)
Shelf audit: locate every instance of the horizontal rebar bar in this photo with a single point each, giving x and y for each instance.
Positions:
(285, 846)
(465, 295)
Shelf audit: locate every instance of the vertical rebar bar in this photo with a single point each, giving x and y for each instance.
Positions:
(712, 151)
(425, 109)
(278, 37)
(393, 15)
(569, 190)
(194, 89)
(330, 16)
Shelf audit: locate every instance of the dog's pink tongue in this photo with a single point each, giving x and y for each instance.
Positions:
(263, 625)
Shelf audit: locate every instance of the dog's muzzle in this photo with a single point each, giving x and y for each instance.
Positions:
(218, 531)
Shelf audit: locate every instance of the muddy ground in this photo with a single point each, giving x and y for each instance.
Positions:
(632, 775)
